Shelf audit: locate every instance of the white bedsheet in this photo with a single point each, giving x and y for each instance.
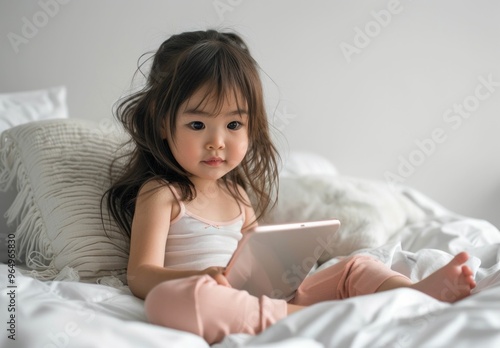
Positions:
(71, 314)
(67, 314)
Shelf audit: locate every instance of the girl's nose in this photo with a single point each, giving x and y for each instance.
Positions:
(216, 142)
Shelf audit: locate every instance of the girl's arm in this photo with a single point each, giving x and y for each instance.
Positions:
(150, 226)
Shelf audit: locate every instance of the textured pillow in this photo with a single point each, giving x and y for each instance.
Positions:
(62, 169)
(19, 108)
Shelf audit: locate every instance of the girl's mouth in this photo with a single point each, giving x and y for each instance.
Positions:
(215, 161)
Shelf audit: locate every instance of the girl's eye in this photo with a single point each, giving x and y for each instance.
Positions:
(197, 125)
(234, 125)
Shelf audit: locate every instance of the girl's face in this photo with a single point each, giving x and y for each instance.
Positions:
(209, 141)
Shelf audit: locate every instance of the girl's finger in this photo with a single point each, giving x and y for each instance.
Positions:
(221, 280)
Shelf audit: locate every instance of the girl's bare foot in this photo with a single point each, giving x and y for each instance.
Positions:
(451, 283)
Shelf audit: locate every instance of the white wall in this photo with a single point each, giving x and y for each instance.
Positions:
(370, 111)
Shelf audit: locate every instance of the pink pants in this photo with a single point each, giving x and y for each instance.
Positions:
(199, 305)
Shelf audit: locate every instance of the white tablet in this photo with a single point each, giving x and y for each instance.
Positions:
(273, 260)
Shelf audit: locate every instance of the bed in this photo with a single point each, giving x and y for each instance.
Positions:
(62, 269)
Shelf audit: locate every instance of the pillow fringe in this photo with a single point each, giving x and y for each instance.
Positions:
(111, 280)
(9, 158)
(29, 234)
(69, 274)
(30, 227)
(51, 273)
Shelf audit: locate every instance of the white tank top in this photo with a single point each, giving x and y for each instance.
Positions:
(195, 243)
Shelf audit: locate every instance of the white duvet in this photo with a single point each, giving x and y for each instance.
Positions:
(70, 314)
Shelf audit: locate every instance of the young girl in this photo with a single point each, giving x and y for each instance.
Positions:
(201, 142)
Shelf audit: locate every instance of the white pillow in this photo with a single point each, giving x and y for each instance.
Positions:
(23, 107)
(370, 211)
(19, 108)
(62, 169)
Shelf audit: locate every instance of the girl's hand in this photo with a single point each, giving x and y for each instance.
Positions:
(218, 274)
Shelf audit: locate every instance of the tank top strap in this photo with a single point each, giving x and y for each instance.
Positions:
(174, 191)
(182, 207)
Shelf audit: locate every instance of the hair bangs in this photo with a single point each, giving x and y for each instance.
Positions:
(220, 69)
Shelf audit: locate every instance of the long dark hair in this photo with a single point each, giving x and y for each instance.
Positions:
(183, 64)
